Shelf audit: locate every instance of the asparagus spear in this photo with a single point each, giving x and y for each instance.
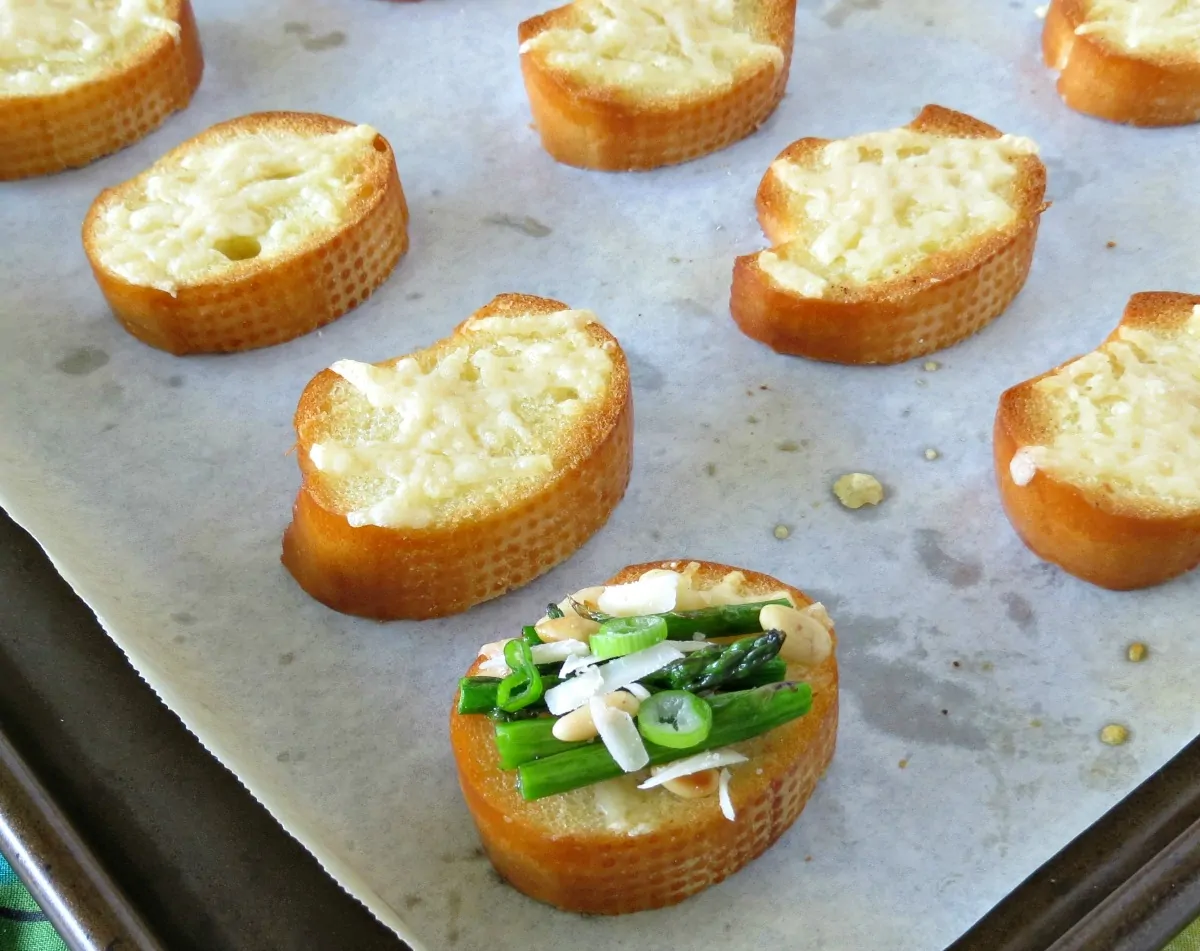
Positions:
(522, 741)
(771, 672)
(736, 717)
(715, 666)
(721, 621)
(478, 695)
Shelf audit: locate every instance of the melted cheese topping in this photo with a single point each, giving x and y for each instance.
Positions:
(48, 45)
(1145, 26)
(1128, 419)
(871, 207)
(658, 46)
(255, 195)
(472, 426)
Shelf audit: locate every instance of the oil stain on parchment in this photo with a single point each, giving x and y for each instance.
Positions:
(956, 572)
(896, 695)
(1020, 611)
(644, 374)
(83, 361)
(842, 10)
(314, 44)
(526, 225)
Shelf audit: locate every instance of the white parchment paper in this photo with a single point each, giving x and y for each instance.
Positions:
(975, 678)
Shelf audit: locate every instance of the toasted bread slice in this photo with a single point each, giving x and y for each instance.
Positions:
(438, 480)
(619, 849)
(257, 231)
(620, 85)
(1098, 461)
(1127, 61)
(893, 244)
(84, 78)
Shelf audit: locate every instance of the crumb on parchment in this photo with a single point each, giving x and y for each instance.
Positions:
(856, 489)
(1137, 652)
(931, 366)
(1114, 735)
(931, 454)
(782, 532)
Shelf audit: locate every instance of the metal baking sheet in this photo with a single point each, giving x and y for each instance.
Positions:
(160, 486)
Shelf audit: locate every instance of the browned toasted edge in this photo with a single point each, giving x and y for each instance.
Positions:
(1085, 530)
(606, 128)
(396, 573)
(51, 132)
(608, 873)
(911, 315)
(283, 296)
(1100, 79)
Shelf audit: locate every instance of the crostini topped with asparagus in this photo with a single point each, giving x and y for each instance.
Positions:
(616, 679)
(684, 706)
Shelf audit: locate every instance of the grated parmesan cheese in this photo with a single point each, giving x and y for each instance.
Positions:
(1126, 419)
(663, 47)
(1145, 26)
(871, 207)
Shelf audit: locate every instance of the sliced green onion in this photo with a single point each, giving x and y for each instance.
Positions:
(529, 634)
(623, 635)
(524, 685)
(676, 719)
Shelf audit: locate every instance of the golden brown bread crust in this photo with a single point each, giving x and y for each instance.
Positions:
(691, 847)
(389, 573)
(269, 299)
(607, 129)
(72, 127)
(945, 299)
(1080, 529)
(1101, 80)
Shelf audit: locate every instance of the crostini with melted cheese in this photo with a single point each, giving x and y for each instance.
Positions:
(621, 85)
(80, 79)
(649, 737)
(1098, 460)
(891, 245)
(257, 231)
(1130, 61)
(441, 479)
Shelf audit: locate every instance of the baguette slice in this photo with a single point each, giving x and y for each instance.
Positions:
(1126, 61)
(622, 85)
(869, 265)
(257, 231)
(564, 850)
(457, 524)
(1098, 461)
(65, 107)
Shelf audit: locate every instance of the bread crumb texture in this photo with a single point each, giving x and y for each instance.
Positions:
(1145, 27)
(655, 47)
(430, 438)
(248, 194)
(1125, 420)
(871, 207)
(52, 45)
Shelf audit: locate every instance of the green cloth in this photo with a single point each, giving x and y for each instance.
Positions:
(23, 927)
(1188, 941)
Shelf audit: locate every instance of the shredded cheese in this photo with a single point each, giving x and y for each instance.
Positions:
(689, 765)
(469, 424)
(1127, 418)
(871, 207)
(723, 796)
(238, 198)
(663, 47)
(1145, 26)
(620, 735)
(52, 45)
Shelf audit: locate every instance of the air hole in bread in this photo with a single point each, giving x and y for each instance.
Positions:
(238, 248)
